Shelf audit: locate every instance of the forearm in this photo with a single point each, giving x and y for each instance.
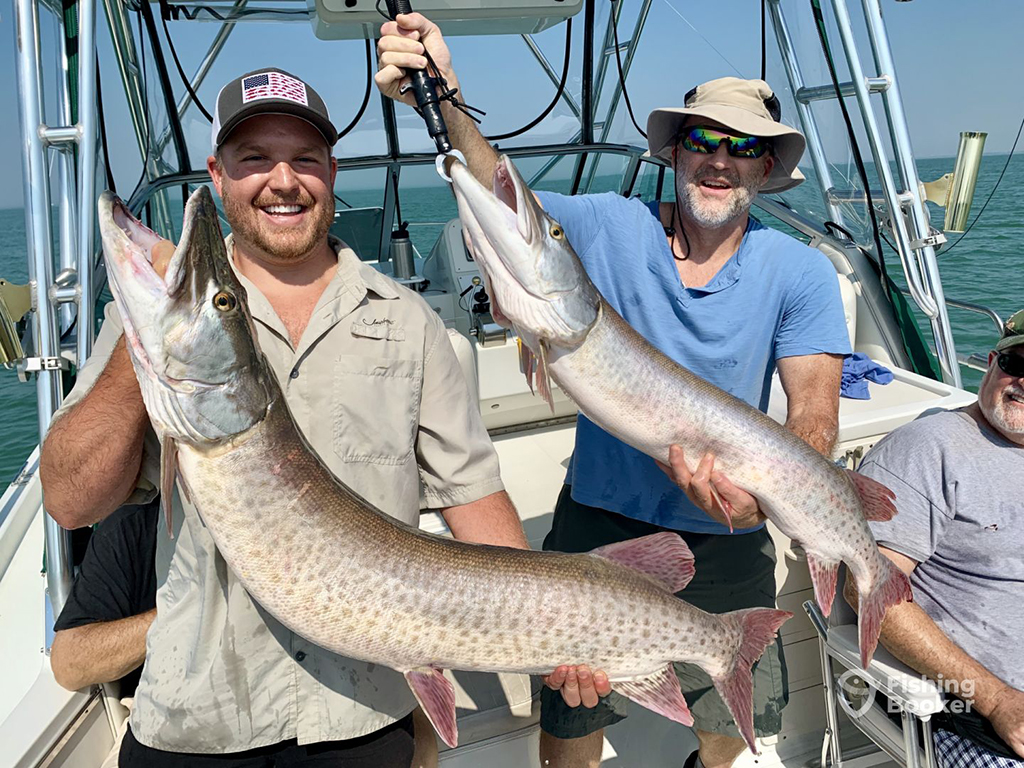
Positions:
(490, 520)
(818, 427)
(91, 456)
(100, 652)
(466, 137)
(910, 634)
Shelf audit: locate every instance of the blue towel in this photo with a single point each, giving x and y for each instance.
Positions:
(858, 370)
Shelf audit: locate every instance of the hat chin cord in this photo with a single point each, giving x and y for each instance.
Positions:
(670, 231)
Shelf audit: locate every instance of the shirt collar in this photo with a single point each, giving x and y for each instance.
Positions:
(352, 280)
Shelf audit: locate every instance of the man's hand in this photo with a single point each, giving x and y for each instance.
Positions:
(578, 685)
(712, 491)
(1007, 717)
(401, 47)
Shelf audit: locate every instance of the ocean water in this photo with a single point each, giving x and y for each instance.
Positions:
(986, 268)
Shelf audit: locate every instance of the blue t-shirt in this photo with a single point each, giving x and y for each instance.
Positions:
(774, 298)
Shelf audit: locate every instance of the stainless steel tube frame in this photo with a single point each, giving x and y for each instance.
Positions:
(87, 120)
(795, 76)
(40, 264)
(893, 101)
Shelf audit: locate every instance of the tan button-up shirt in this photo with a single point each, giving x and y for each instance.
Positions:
(377, 390)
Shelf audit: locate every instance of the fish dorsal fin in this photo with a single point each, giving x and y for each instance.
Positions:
(168, 473)
(543, 377)
(437, 698)
(659, 693)
(663, 557)
(875, 499)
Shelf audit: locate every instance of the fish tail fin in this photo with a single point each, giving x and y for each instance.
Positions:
(758, 628)
(892, 589)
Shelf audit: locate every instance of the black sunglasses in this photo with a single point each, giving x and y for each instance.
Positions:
(1011, 365)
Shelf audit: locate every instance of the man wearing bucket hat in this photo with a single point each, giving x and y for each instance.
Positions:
(721, 294)
(224, 683)
(957, 478)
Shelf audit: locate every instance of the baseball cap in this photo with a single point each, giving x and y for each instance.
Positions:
(269, 91)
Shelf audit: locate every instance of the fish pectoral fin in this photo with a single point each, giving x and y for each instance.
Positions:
(168, 473)
(543, 377)
(659, 693)
(876, 500)
(723, 505)
(662, 556)
(526, 362)
(823, 576)
(437, 698)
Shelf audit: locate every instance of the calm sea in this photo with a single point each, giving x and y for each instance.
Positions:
(986, 268)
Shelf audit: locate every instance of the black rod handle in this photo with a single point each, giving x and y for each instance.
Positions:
(424, 88)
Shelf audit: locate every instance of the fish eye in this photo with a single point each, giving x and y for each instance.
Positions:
(556, 232)
(224, 301)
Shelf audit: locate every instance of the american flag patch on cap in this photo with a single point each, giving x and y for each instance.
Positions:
(273, 85)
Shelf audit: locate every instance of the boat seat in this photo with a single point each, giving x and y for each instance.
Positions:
(855, 691)
(467, 362)
(849, 296)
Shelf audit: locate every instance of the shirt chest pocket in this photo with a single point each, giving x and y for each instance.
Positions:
(375, 407)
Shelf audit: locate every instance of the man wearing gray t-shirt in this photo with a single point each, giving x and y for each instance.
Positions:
(958, 477)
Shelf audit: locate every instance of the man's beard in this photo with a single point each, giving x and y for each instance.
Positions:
(283, 244)
(1007, 418)
(712, 214)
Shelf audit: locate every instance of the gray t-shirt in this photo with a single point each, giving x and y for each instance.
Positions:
(959, 495)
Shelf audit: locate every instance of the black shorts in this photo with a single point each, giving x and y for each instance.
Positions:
(390, 747)
(732, 572)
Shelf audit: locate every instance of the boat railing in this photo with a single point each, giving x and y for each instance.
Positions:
(975, 360)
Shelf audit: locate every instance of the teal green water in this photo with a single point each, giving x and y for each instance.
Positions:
(986, 268)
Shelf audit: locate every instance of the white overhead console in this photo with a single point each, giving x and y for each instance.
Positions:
(357, 19)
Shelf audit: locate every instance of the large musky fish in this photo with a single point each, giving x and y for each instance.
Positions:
(354, 580)
(538, 287)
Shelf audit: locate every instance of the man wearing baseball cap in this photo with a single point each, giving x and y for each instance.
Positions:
(957, 478)
(372, 380)
(721, 294)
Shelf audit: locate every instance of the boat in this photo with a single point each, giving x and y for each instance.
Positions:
(862, 187)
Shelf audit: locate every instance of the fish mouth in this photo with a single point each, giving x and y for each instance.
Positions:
(501, 222)
(130, 252)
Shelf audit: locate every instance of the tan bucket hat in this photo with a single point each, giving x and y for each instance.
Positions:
(745, 106)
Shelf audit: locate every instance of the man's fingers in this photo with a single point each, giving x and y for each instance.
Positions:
(588, 692)
(396, 44)
(403, 60)
(700, 483)
(602, 684)
(556, 679)
(571, 689)
(678, 461)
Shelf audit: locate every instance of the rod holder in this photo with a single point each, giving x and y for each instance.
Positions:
(965, 179)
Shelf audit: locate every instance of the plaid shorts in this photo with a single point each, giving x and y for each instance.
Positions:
(719, 585)
(953, 751)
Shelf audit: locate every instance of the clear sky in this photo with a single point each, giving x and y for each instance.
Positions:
(959, 65)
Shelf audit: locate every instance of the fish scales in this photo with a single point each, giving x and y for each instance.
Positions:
(449, 603)
(348, 577)
(660, 403)
(622, 383)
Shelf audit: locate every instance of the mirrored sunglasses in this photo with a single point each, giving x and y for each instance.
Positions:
(705, 141)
